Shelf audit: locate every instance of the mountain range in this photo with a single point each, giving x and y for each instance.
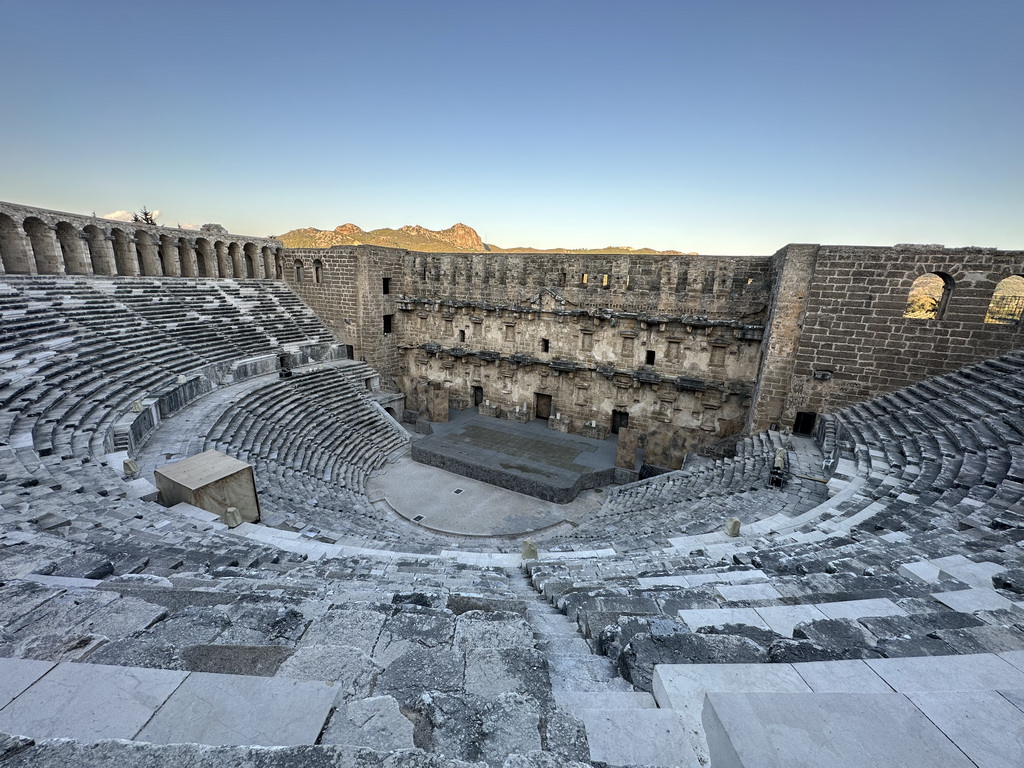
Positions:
(458, 238)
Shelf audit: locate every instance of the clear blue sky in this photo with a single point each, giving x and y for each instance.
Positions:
(699, 125)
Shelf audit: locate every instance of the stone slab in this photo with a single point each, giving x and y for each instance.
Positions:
(856, 609)
(975, 599)
(68, 582)
(648, 737)
(921, 571)
(727, 577)
(782, 618)
(983, 725)
(1014, 697)
(743, 592)
(18, 674)
(852, 676)
(839, 730)
(576, 701)
(713, 617)
(682, 686)
(969, 572)
(90, 702)
(376, 723)
(1014, 657)
(973, 672)
(229, 710)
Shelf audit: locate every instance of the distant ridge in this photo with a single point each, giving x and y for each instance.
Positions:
(458, 238)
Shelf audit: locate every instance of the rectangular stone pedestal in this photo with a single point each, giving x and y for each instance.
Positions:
(210, 481)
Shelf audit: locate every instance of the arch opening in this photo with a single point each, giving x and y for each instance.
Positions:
(1007, 304)
(929, 296)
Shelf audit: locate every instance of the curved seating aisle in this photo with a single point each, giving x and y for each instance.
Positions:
(915, 555)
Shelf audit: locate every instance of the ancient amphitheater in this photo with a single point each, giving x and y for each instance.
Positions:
(868, 613)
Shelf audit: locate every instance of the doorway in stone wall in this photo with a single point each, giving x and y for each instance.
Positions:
(804, 423)
(478, 395)
(543, 406)
(620, 419)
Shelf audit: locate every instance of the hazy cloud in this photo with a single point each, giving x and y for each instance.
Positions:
(127, 215)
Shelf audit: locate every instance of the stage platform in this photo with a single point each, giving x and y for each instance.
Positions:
(526, 458)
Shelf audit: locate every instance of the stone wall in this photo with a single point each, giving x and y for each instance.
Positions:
(36, 241)
(837, 333)
(667, 344)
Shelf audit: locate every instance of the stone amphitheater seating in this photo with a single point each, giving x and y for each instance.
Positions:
(873, 602)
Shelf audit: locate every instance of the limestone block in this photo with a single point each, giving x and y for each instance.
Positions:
(921, 571)
(211, 481)
(973, 672)
(236, 709)
(846, 730)
(95, 702)
(18, 674)
(376, 723)
(971, 600)
(732, 526)
(999, 742)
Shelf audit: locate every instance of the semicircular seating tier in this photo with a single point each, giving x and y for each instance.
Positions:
(880, 588)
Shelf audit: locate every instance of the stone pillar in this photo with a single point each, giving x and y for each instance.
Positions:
(793, 268)
(169, 257)
(131, 256)
(46, 250)
(189, 267)
(103, 253)
(268, 264)
(80, 264)
(17, 252)
(150, 254)
(238, 262)
(223, 261)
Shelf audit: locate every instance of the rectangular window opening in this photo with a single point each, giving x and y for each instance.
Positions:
(545, 345)
(388, 321)
(387, 285)
(650, 357)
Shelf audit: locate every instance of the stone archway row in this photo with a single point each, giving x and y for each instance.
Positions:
(35, 241)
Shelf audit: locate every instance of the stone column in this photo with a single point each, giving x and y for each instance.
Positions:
(189, 267)
(223, 262)
(102, 251)
(81, 263)
(268, 264)
(46, 249)
(238, 262)
(17, 252)
(131, 257)
(150, 254)
(169, 257)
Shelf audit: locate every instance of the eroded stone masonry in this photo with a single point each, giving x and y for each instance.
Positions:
(687, 350)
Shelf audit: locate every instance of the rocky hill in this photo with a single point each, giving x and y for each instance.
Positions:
(458, 238)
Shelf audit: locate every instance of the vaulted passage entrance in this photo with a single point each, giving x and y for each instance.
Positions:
(620, 419)
(543, 407)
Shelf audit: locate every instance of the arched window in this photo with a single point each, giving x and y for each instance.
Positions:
(250, 269)
(318, 271)
(298, 270)
(929, 296)
(1007, 305)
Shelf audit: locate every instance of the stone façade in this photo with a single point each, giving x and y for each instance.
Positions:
(688, 350)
